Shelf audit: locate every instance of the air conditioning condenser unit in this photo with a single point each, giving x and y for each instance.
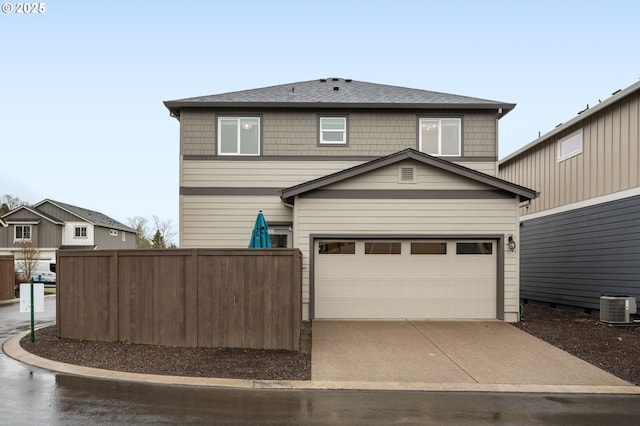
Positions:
(617, 309)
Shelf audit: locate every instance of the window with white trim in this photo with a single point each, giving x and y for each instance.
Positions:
(113, 232)
(570, 145)
(22, 233)
(440, 136)
(80, 232)
(239, 135)
(333, 130)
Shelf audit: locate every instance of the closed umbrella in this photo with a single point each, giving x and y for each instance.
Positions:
(260, 233)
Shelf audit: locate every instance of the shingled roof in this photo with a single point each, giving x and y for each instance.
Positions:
(336, 92)
(91, 216)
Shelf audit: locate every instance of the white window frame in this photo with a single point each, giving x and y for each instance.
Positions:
(80, 228)
(573, 138)
(322, 131)
(239, 141)
(422, 122)
(22, 227)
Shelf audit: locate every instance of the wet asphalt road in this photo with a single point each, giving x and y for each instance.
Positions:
(33, 396)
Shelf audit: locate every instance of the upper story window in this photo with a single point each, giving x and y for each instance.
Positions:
(333, 130)
(22, 233)
(440, 136)
(80, 232)
(239, 136)
(570, 146)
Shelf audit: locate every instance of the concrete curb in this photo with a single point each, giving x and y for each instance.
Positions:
(13, 349)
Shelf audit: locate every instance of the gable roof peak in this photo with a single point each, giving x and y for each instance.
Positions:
(288, 194)
(91, 216)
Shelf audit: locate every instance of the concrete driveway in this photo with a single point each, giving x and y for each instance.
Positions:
(453, 352)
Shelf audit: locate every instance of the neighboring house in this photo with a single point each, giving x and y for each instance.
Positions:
(52, 225)
(580, 238)
(390, 193)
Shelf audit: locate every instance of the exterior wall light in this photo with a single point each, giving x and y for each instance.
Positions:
(512, 243)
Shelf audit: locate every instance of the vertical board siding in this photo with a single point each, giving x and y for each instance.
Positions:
(189, 298)
(7, 277)
(573, 258)
(609, 161)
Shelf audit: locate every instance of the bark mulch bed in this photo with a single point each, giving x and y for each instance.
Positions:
(613, 349)
(236, 363)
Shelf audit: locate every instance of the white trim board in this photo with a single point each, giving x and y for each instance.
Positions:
(585, 203)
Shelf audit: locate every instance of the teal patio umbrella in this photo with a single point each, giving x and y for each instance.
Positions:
(260, 233)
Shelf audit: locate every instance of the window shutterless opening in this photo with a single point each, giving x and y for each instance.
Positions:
(337, 247)
(384, 247)
(428, 248)
(474, 248)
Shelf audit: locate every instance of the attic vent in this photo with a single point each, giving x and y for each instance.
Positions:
(335, 79)
(348, 80)
(336, 88)
(407, 174)
(323, 80)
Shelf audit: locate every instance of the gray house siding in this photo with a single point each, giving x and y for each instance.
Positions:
(371, 134)
(58, 213)
(44, 234)
(105, 241)
(574, 257)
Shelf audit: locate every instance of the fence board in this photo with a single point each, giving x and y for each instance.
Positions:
(7, 278)
(199, 297)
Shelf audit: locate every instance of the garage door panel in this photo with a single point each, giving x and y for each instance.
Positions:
(400, 308)
(390, 286)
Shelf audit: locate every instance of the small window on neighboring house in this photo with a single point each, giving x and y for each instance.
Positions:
(80, 232)
(333, 130)
(239, 136)
(124, 236)
(440, 136)
(570, 146)
(22, 233)
(113, 232)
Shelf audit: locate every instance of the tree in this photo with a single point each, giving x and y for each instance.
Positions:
(12, 201)
(166, 231)
(140, 225)
(9, 202)
(157, 242)
(27, 259)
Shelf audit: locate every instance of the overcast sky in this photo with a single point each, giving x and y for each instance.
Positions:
(82, 84)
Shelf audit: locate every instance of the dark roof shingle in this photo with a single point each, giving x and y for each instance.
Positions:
(336, 92)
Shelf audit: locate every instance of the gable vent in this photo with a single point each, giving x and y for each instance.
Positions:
(407, 174)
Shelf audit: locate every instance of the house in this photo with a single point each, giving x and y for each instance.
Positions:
(390, 193)
(51, 225)
(580, 239)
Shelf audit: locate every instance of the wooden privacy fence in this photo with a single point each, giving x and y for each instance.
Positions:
(7, 278)
(248, 298)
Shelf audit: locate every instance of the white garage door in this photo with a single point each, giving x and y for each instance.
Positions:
(405, 279)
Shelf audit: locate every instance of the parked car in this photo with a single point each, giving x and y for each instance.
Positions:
(43, 272)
